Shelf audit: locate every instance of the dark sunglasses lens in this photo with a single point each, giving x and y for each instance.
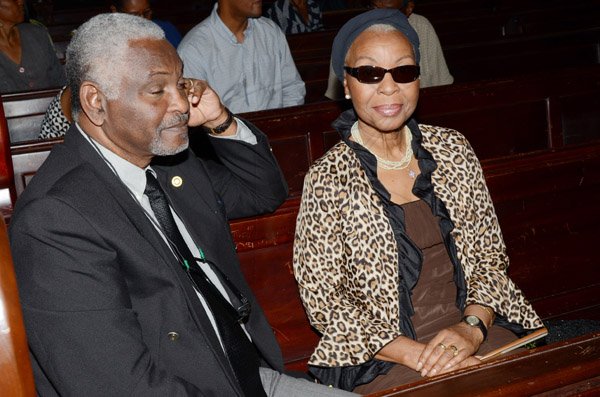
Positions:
(370, 74)
(405, 74)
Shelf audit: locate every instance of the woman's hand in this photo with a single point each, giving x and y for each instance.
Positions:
(402, 350)
(450, 349)
(205, 105)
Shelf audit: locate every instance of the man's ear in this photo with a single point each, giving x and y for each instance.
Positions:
(346, 90)
(93, 102)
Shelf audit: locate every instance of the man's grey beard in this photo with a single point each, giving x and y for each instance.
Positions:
(157, 148)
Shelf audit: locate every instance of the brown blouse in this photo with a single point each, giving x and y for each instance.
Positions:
(433, 297)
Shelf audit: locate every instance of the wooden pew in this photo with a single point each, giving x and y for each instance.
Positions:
(529, 54)
(472, 61)
(16, 377)
(459, 28)
(570, 368)
(24, 113)
(302, 134)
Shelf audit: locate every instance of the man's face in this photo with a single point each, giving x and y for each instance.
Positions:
(246, 8)
(12, 11)
(396, 4)
(140, 8)
(149, 116)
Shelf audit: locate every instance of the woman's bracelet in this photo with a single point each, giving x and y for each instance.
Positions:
(490, 312)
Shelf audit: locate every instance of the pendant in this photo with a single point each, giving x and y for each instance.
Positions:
(412, 174)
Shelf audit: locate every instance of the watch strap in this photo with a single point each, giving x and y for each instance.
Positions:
(221, 128)
(479, 325)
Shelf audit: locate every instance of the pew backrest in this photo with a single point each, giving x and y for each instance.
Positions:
(24, 113)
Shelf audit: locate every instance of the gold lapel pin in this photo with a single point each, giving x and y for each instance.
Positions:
(176, 181)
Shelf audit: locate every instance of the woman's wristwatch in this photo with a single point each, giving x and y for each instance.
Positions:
(474, 321)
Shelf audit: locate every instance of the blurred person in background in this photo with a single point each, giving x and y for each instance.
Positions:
(296, 16)
(27, 58)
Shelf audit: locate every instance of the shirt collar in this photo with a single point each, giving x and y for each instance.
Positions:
(224, 31)
(130, 174)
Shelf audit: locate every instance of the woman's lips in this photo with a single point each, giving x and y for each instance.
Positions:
(389, 110)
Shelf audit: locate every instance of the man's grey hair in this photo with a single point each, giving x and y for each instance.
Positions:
(99, 49)
(381, 28)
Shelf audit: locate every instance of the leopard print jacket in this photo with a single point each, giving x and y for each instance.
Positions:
(346, 257)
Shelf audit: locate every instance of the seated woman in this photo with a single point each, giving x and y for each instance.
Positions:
(296, 16)
(27, 57)
(398, 252)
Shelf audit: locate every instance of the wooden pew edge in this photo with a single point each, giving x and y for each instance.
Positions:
(589, 343)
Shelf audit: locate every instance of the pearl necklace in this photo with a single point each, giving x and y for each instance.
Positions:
(384, 163)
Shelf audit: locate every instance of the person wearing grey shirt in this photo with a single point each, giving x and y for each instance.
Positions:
(244, 57)
(27, 58)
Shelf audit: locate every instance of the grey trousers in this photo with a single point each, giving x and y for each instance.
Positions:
(280, 385)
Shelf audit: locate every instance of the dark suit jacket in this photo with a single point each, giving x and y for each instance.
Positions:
(101, 291)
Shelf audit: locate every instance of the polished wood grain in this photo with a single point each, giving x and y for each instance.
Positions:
(16, 377)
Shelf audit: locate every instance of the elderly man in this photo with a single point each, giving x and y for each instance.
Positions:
(244, 57)
(129, 281)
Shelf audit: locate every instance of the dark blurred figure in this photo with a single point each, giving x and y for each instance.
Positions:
(328, 5)
(27, 57)
(39, 10)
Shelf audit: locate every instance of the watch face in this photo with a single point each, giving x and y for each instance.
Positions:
(472, 320)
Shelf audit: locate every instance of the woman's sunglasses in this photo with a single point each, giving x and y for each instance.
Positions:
(374, 74)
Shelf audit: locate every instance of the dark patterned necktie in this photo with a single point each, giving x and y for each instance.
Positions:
(241, 353)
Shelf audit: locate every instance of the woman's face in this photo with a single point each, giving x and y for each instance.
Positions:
(384, 106)
(11, 11)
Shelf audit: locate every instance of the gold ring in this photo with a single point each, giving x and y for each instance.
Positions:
(442, 346)
(454, 350)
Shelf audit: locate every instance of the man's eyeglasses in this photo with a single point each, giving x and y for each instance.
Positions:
(374, 74)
